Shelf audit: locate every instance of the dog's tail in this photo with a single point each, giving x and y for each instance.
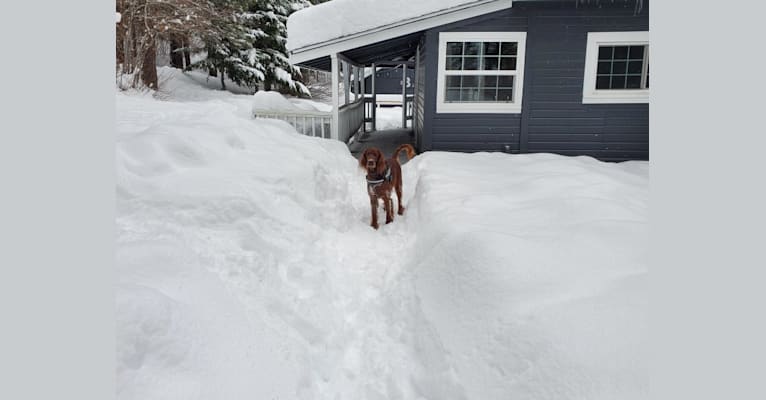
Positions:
(408, 147)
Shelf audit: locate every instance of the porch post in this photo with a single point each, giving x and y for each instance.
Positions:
(357, 85)
(335, 69)
(374, 98)
(404, 96)
(346, 81)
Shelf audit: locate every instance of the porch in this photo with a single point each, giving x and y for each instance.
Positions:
(353, 117)
(385, 140)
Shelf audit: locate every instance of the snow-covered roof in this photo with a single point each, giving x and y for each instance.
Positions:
(343, 18)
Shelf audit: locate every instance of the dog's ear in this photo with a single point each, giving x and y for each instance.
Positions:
(363, 159)
(381, 167)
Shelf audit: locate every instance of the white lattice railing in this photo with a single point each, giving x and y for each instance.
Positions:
(319, 123)
(309, 123)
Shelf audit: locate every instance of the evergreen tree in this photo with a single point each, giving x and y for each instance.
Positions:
(230, 53)
(268, 22)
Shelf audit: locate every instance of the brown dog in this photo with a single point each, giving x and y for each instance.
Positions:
(382, 177)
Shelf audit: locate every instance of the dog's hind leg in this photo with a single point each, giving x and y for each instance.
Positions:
(399, 200)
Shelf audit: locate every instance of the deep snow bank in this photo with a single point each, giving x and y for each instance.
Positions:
(532, 270)
(217, 219)
(246, 267)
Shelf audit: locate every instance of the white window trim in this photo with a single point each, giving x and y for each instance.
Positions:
(590, 95)
(443, 107)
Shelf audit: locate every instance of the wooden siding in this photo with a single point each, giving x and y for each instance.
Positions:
(553, 118)
(389, 81)
(418, 119)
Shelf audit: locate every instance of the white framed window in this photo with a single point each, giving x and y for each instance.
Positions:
(480, 72)
(616, 68)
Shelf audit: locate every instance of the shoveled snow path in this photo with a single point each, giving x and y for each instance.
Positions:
(360, 318)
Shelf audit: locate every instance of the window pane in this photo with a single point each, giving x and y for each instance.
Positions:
(491, 63)
(505, 81)
(471, 63)
(473, 48)
(454, 63)
(505, 95)
(602, 82)
(469, 95)
(491, 48)
(479, 88)
(621, 52)
(618, 67)
(634, 67)
(454, 48)
(509, 48)
(634, 81)
(453, 82)
(618, 82)
(508, 63)
(637, 52)
(453, 95)
(605, 52)
(488, 94)
(470, 81)
(604, 67)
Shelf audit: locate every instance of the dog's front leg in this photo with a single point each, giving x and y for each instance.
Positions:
(388, 203)
(374, 209)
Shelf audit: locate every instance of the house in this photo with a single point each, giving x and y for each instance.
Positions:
(568, 77)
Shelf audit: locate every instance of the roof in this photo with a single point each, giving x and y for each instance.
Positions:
(340, 25)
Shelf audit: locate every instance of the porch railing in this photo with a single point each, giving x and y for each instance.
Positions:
(309, 123)
(409, 106)
(350, 119)
(319, 123)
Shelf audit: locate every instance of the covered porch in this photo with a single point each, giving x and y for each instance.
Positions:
(354, 114)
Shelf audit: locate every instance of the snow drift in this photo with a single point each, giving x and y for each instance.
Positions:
(345, 17)
(247, 270)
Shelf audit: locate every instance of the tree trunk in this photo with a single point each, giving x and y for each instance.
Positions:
(267, 85)
(120, 36)
(176, 57)
(149, 69)
(223, 85)
(212, 72)
(187, 54)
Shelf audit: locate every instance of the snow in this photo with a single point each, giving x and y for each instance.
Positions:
(389, 118)
(338, 18)
(117, 17)
(246, 267)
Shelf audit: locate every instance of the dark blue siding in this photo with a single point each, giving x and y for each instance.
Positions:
(389, 81)
(469, 132)
(553, 118)
(418, 122)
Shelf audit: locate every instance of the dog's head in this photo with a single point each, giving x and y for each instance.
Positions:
(372, 161)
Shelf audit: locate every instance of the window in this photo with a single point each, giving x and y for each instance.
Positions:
(616, 68)
(480, 72)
